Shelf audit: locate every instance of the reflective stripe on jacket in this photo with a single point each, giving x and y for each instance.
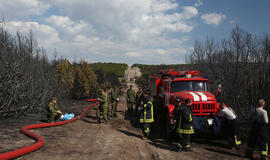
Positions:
(147, 115)
(184, 121)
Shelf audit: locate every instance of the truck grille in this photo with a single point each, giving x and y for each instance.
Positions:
(204, 107)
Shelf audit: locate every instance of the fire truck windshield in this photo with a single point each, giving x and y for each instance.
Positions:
(181, 86)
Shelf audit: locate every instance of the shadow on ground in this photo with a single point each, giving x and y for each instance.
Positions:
(163, 144)
(90, 119)
(202, 137)
(128, 133)
(225, 152)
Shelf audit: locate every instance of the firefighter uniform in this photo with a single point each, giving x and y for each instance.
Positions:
(51, 111)
(147, 115)
(184, 127)
(114, 102)
(103, 107)
(130, 99)
(233, 123)
(258, 134)
(138, 99)
(109, 102)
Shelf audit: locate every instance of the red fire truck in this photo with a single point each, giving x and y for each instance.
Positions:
(170, 84)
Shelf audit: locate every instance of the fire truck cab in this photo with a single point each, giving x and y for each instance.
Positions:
(170, 84)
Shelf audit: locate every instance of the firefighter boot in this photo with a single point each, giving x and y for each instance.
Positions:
(264, 157)
(187, 149)
(147, 132)
(179, 147)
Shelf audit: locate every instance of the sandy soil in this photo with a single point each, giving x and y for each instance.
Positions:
(85, 139)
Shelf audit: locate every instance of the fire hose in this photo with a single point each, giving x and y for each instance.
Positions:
(40, 140)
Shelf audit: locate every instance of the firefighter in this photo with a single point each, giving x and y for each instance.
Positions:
(176, 108)
(103, 106)
(115, 98)
(130, 99)
(176, 113)
(53, 113)
(109, 101)
(184, 126)
(147, 114)
(267, 108)
(227, 113)
(139, 97)
(218, 94)
(258, 133)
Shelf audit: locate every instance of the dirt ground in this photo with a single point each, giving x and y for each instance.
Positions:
(85, 139)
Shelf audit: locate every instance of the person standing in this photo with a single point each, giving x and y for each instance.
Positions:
(130, 99)
(176, 110)
(258, 133)
(147, 114)
(53, 112)
(115, 99)
(184, 127)
(103, 106)
(218, 94)
(138, 99)
(267, 108)
(228, 114)
(109, 101)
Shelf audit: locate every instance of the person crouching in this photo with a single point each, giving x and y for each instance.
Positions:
(53, 113)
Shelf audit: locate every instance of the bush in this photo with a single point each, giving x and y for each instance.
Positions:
(27, 79)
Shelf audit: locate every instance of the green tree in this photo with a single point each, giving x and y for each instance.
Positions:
(105, 85)
(81, 85)
(91, 78)
(66, 75)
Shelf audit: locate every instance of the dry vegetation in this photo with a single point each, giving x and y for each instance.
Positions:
(28, 79)
(240, 63)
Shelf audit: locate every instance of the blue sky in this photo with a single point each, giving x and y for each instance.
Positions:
(250, 15)
(128, 31)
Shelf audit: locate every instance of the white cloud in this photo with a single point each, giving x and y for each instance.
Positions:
(68, 28)
(130, 19)
(160, 6)
(43, 33)
(81, 38)
(189, 12)
(110, 30)
(198, 3)
(232, 21)
(133, 54)
(213, 18)
(161, 51)
(22, 9)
